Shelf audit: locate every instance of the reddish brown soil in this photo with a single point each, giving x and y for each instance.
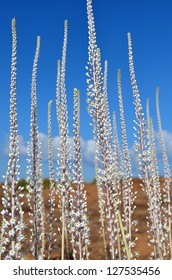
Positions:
(96, 246)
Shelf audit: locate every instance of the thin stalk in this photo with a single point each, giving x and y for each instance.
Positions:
(123, 235)
(63, 228)
(67, 243)
(100, 197)
(51, 184)
(166, 172)
(128, 184)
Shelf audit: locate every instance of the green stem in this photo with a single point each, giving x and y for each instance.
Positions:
(123, 235)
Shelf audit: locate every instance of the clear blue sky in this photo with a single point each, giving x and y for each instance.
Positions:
(150, 24)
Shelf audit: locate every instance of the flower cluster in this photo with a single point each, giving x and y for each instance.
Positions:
(34, 172)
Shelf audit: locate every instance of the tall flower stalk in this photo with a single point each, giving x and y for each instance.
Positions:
(167, 175)
(142, 146)
(158, 225)
(101, 200)
(81, 233)
(118, 177)
(65, 188)
(140, 135)
(99, 111)
(12, 235)
(35, 184)
(127, 194)
(51, 218)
